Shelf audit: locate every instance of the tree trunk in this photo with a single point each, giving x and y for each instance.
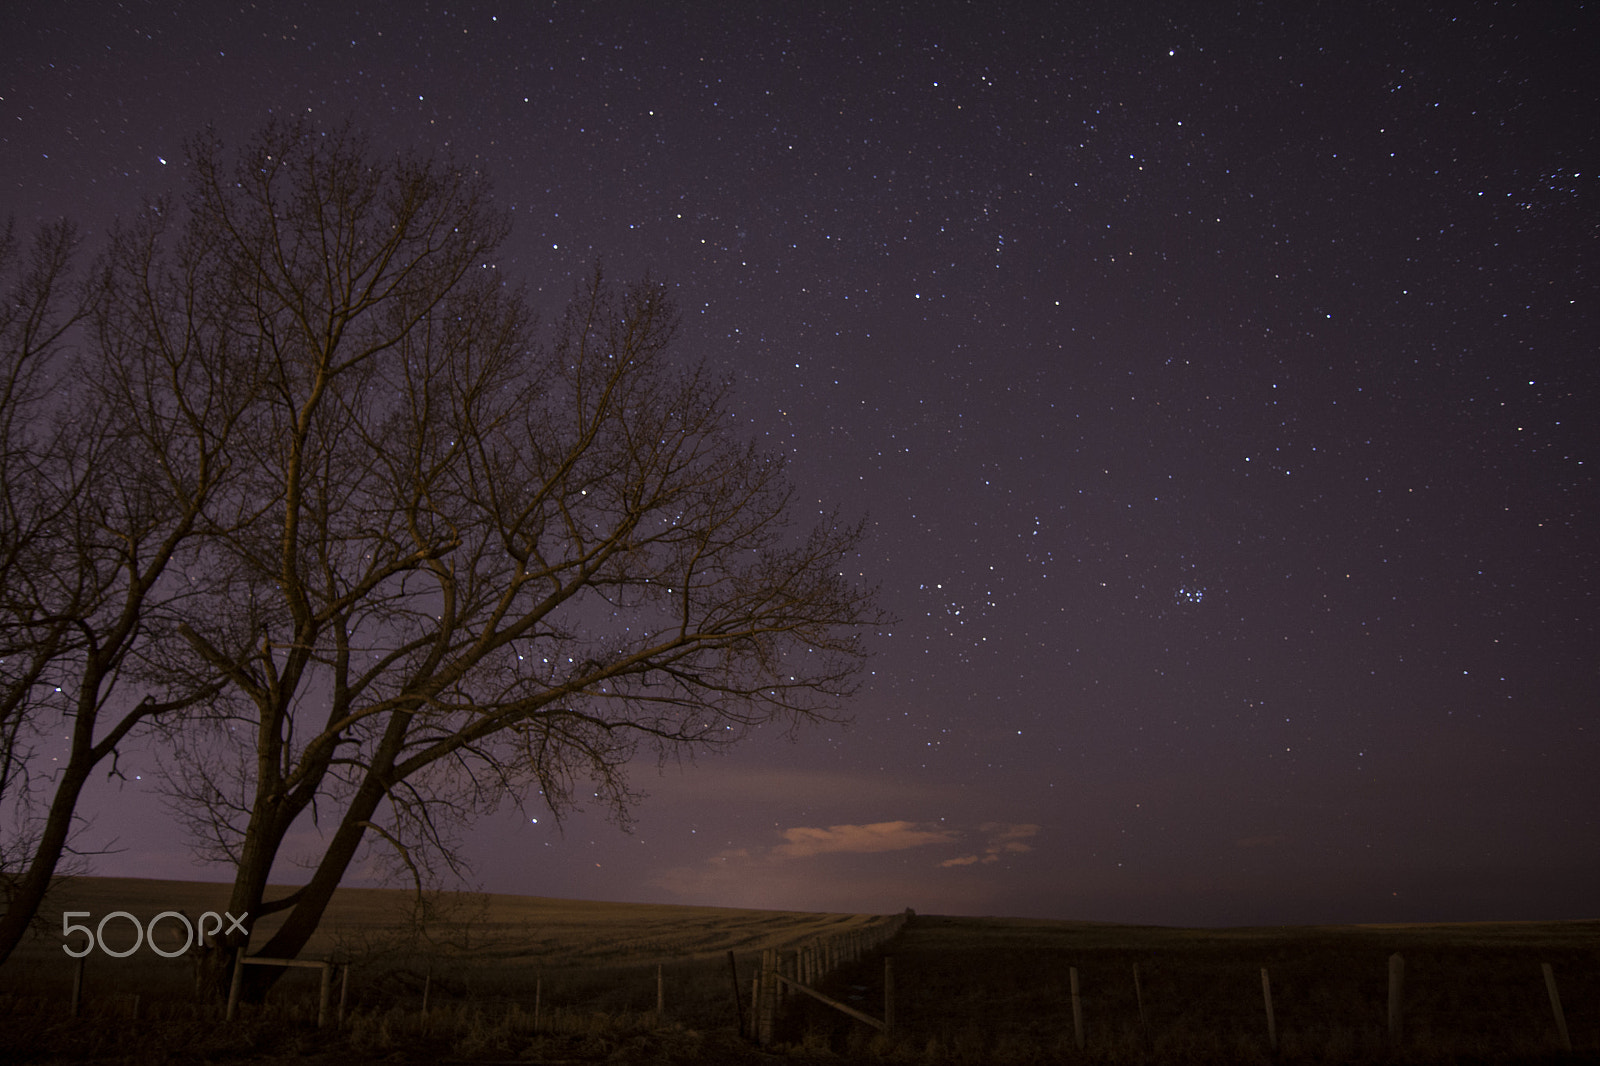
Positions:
(263, 838)
(312, 900)
(302, 922)
(35, 883)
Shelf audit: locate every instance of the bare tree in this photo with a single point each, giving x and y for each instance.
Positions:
(109, 463)
(465, 566)
(35, 623)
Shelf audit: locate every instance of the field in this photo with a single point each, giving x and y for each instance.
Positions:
(977, 990)
(967, 990)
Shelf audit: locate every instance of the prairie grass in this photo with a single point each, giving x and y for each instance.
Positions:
(486, 964)
(998, 990)
(968, 990)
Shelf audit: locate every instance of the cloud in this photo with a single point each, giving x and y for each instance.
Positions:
(806, 841)
(1005, 838)
(811, 868)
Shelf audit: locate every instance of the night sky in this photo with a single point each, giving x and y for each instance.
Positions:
(1219, 385)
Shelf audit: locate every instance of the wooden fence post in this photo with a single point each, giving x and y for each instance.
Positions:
(738, 1005)
(427, 986)
(344, 990)
(1397, 985)
(772, 995)
(661, 996)
(538, 994)
(1555, 1005)
(324, 994)
(1272, 1022)
(766, 995)
(77, 984)
(235, 986)
(1077, 1007)
(1138, 995)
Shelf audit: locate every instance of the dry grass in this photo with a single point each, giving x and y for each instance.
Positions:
(481, 926)
(483, 959)
(968, 990)
(998, 990)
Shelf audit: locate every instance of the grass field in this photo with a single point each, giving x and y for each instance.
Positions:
(981, 990)
(968, 990)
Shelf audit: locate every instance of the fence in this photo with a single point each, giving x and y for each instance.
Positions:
(241, 960)
(1396, 1005)
(1394, 1016)
(1138, 1003)
(797, 971)
(780, 974)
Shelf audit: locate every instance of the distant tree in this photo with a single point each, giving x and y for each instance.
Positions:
(458, 565)
(107, 465)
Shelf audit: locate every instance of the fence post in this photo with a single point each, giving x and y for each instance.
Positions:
(77, 984)
(235, 986)
(324, 994)
(1138, 995)
(427, 986)
(1077, 1007)
(1397, 984)
(661, 996)
(888, 994)
(766, 1013)
(1555, 1005)
(538, 994)
(738, 1005)
(1272, 1022)
(344, 990)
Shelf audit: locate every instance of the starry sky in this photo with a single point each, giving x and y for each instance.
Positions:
(1219, 383)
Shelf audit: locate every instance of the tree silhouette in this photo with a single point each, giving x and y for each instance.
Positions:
(109, 463)
(451, 563)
